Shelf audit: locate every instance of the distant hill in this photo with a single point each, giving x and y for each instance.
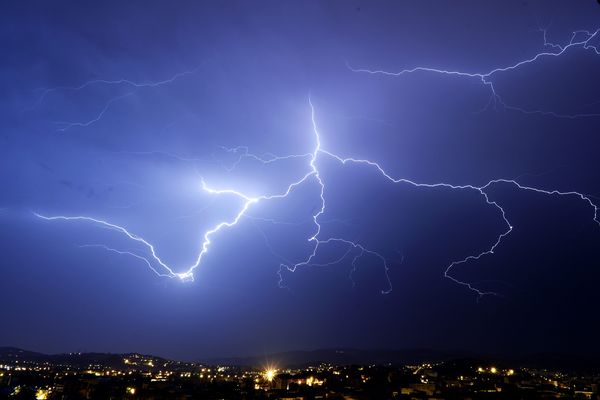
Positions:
(13, 353)
(552, 361)
(81, 360)
(341, 357)
(557, 361)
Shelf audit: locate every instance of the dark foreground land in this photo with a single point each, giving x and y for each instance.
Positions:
(27, 375)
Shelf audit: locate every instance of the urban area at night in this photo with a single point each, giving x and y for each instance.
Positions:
(299, 199)
(27, 375)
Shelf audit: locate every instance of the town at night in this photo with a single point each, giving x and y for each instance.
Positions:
(26, 375)
(300, 199)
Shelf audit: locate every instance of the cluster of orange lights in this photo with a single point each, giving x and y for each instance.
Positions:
(494, 370)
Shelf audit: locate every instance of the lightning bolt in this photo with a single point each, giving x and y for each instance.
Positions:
(188, 274)
(66, 125)
(138, 85)
(581, 39)
(247, 201)
(315, 239)
(128, 253)
(243, 152)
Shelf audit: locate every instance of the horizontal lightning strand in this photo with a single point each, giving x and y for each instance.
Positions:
(66, 125)
(584, 43)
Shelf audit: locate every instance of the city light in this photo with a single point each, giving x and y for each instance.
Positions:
(424, 381)
(41, 394)
(270, 374)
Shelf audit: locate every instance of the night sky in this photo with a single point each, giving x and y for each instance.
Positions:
(131, 112)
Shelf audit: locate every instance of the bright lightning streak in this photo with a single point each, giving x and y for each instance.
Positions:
(481, 190)
(129, 253)
(117, 228)
(579, 39)
(188, 274)
(317, 242)
(314, 172)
